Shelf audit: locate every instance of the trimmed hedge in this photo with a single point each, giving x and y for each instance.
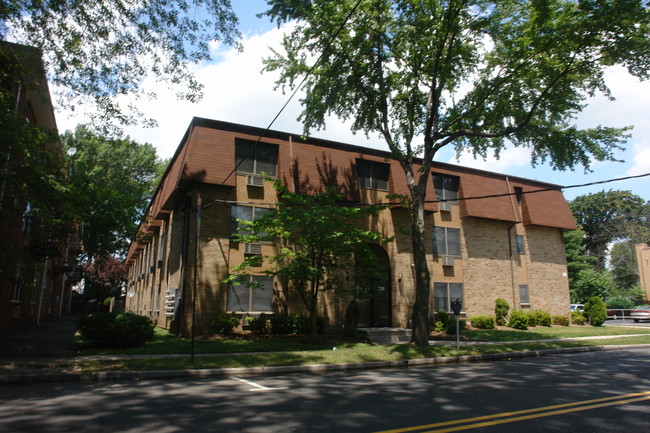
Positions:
(519, 319)
(560, 320)
(577, 318)
(483, 322)
(224, 324)
(112, 330)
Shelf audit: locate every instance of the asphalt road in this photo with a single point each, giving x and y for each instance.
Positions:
(591, 392)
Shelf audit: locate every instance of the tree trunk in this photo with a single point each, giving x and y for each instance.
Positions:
(420, 336)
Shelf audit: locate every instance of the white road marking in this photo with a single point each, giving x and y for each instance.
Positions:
(257, 386)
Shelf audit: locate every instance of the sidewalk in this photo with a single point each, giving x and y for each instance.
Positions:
(47, 354)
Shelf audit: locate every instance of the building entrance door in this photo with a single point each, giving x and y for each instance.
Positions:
(375, 311)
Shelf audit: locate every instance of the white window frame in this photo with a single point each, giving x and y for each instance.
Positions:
(257, 146)
(442, 193)
(524, 294)
(445, 231)
(247, 305)
(447, 287)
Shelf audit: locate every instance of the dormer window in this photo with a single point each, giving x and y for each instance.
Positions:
(256, 158)
(372, 174)
(446, 188)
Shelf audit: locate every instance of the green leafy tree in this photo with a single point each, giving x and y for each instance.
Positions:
(623, 263)
(319, 240)
(577, 259)
(97, 51)
(589, 283)
(32, 172)
(475, 75)
(111, 181)
(609, 216)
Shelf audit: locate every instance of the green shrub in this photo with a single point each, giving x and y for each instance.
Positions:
(451, 326)
(443, 317)
(258, 325)
(439, 326)
(224, 324)
(541, 318)
(596, 311)
(301, 324)
(560, 320)
(281, 324)
(518, 319)
(577, 318)
(483, 322)
(501, 308)
(111, 330)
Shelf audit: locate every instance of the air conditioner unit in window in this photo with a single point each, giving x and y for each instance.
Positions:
(448, 261)
(445, 206)
(254, 180)
(253, 249)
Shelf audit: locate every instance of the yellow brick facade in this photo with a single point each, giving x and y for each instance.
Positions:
(166, 268)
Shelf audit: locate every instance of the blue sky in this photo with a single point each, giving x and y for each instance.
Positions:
(236, 91)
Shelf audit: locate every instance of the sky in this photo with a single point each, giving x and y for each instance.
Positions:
(236, 91)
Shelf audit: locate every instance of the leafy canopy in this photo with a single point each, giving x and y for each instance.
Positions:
(97, 51)
(425, 74)
(111, 181)
(610, 216)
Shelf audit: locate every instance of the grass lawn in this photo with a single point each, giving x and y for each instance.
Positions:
(279, 351)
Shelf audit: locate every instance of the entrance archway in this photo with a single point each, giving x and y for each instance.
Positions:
(375, 310)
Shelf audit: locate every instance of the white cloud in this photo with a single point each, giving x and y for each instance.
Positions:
(641, 159)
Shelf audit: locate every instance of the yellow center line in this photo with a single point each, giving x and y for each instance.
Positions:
(514, 416)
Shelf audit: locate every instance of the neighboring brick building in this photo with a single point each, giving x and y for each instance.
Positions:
(508, 246)
(34, 283)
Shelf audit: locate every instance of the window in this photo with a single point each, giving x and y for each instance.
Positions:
(372, 174)
(16, 295)
(519, 239)
(446, 241)
(244, 213)
(446, 187)
(523, 294)
(444, 293)
(256, 158)
(258, 298)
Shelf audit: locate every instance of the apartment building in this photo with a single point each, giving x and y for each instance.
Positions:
(507, 244)
(35, 268)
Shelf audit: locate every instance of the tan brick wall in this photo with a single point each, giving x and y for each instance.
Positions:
(488, 268)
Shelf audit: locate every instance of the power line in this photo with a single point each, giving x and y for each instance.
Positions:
(555, 188)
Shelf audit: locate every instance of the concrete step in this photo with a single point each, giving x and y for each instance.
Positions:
(387, 335)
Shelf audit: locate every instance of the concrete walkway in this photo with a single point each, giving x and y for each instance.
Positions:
(48, 354)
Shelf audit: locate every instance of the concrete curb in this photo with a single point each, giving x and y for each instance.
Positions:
(313, 369)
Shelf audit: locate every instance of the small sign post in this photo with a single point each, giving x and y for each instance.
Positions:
(456, 306)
